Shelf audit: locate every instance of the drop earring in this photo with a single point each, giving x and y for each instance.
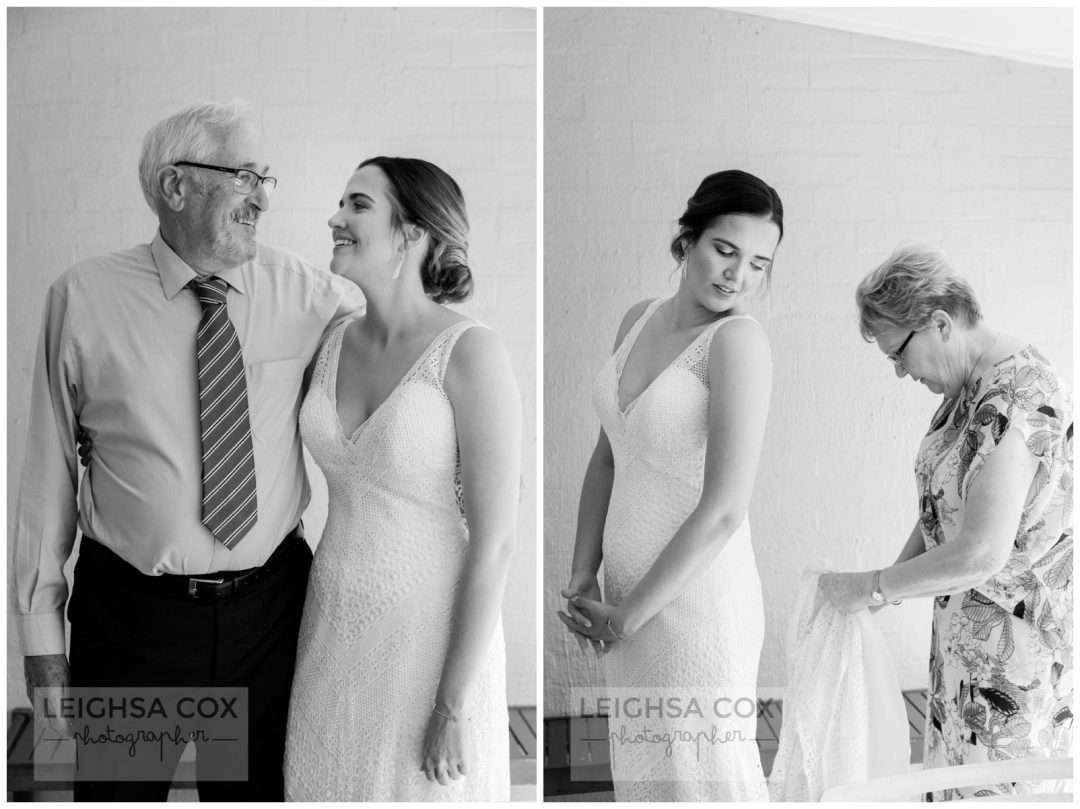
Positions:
(400, 264)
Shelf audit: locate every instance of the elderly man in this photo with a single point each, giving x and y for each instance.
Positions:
(182, 360)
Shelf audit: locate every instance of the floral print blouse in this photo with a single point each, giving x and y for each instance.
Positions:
(1001, 653)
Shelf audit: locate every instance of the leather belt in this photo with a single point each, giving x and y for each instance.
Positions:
(218, 586)
(97, 560)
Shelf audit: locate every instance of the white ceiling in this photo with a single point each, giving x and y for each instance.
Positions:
(1040, 35)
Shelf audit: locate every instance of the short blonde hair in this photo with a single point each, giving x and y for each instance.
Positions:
(191, 134)
(905, 289)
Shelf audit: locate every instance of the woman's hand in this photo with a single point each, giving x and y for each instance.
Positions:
(583, 585)
(597, 622)
(848, 592)
(443, 758)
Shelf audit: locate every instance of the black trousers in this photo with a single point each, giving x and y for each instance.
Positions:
(127, 630)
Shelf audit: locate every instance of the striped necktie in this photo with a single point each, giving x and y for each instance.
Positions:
(228, 493)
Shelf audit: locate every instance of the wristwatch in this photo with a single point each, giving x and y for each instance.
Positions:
(879, 596)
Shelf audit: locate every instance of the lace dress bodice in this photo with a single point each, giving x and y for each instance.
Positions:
(377, 619)
(705, 644)
(398, 473)
(658, 441)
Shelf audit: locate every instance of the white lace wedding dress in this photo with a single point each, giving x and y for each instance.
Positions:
(377, 618)
(705, 645)
(844, 716)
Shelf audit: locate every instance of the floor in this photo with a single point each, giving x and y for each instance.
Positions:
(577, 769)
(21, 743)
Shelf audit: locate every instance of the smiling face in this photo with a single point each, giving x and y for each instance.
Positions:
(366, 240)
(224, 220)
(728, 262)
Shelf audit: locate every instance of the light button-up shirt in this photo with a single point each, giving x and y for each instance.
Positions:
(117, 355)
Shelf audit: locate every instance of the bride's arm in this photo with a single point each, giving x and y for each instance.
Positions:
(740, 380)
(593, 504)
(592, 513)
(487, 414)
(589, 541)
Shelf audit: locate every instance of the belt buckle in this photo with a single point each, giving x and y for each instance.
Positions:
(193, 585)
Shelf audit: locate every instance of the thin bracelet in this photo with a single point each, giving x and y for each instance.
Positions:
(613, 632)
(449, 717)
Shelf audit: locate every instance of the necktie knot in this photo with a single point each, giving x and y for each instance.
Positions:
(210, 291)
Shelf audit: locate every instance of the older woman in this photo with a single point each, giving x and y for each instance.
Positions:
(993, 542)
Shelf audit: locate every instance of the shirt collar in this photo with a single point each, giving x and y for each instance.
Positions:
(176, 274)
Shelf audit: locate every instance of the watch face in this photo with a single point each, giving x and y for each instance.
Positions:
(878, 596)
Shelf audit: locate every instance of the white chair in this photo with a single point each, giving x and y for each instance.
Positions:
(913, 785)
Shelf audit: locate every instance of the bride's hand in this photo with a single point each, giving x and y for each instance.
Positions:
(602, 624)
(586, 586)
(443, 758)
(581, 585)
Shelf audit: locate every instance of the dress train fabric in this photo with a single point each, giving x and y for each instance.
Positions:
(844, 716)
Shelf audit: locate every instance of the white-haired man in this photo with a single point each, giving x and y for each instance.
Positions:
(182, 360)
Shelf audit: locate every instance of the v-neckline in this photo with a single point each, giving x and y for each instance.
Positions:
(631, 340)
(351, 439)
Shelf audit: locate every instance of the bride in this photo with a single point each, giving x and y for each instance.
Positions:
(414, 417)
(683, 403)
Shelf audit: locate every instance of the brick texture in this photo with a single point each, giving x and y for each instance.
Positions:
(329, 87)
(870, 142)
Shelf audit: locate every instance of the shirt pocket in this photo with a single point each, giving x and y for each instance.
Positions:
(274, 399)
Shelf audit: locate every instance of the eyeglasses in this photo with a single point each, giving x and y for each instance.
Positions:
(246, 181)
(897, 357)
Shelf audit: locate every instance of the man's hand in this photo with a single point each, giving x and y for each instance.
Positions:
(49, 671)
(84, 445)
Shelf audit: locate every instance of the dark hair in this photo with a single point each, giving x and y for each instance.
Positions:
(425, 195)
(722, 193)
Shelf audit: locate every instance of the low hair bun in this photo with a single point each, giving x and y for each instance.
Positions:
(425, 195)
(446, 275)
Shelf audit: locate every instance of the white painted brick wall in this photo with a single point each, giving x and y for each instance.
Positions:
(870, 142)
(329, 87)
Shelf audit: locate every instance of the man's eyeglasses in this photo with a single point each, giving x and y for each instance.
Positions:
(897, 357)
(246, 180)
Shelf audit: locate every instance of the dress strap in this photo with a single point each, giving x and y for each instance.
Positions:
(324, 374)
(709, 332)
(697, 359)
(715, 327)
(444, 344)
